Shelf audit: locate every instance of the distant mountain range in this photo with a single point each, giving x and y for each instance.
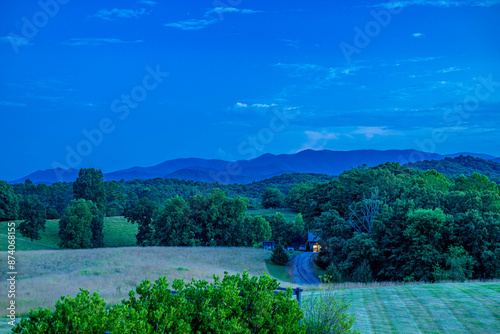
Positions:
(247, 171)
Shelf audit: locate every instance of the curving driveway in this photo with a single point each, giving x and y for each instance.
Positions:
(302, 269)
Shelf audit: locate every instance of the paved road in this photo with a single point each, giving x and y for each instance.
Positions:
(303, 269)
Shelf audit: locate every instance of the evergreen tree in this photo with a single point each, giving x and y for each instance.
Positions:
(32, 212)
(279, 256)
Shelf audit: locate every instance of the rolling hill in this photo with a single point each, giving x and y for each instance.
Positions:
(461, 165)
(247, 171)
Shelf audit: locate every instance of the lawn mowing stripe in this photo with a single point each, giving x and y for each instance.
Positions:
(447, 320)
(490, 300)
(382, 323)
(458, 307)
(400, 316)
(483, 315)
(426, 317)
(358, 302)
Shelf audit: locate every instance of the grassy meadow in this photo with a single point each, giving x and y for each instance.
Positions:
(44, 276)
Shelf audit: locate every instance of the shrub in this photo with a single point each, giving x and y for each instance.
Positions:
(326, 313)
(279, 256)
(332, 274)
(363, 273)
(235, 304)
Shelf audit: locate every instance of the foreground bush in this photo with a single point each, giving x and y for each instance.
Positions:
(235, 304)
(326, 313)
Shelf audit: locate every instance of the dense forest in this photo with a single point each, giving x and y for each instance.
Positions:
(56, 197)
(461, 165)
(381, 223)
(394, 223)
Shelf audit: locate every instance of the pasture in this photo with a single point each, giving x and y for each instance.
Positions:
(472, 307)
(44, 276)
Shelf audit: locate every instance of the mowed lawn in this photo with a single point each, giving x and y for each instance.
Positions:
(117, 233)
(427, 308)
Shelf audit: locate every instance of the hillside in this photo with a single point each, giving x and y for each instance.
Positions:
(247, 171)
(461, 165)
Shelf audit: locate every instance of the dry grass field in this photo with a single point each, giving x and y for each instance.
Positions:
(44, 276)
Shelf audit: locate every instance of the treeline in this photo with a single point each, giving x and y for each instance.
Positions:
(56, 197)
(398, 224)
(211, 220)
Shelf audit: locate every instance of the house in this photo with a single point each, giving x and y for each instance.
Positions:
(313, 242)
(268, 244)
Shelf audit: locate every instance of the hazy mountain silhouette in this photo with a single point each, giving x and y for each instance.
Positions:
(246, 171)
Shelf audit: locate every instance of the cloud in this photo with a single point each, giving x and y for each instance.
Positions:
(116, 13)
(192, 24)
(12, 104)
(371, 131)
(318, 140)
(259, 108)
(147, 2)
(15, 40)
(223, 10)
(418, 35)
(322, 74)
(97, 41)
(438, 3)
(198, 24)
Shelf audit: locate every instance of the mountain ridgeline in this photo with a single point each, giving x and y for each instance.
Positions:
(248, 171)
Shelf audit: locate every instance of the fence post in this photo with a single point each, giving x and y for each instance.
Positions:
(298, 292)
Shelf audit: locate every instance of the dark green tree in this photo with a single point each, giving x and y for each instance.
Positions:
(272, 198)
(142, 212)
(75, 225)
(173, 226)
(90, 186)
(32, 212)
(9, 202)
(257, 230)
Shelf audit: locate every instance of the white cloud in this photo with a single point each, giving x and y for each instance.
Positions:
(318, 140)
(117, 13)
(15, 40)
(197, 24)
(96, 41)
(223, 10)
(147, 2)
(371, 131)
(192, 24)
(438, 3)
(12, 104)
(418, 35)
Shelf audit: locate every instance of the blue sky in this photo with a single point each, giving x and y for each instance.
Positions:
(114, 84)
